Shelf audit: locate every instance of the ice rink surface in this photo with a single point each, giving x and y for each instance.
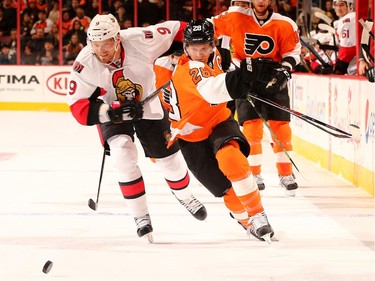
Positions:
(49, 168)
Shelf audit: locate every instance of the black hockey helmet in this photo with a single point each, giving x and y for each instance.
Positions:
(199, 32)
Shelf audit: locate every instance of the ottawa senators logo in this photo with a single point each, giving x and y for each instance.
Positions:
(77, 67)
(126, 89)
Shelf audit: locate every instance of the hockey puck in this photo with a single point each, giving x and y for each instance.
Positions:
(47, 267)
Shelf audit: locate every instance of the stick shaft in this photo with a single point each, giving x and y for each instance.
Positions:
(315, 122)
(101, 176)
(156, 92)
(272, 132)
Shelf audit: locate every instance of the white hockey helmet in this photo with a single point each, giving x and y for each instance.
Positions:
(103, 27)
(349, 3)
(247, 1)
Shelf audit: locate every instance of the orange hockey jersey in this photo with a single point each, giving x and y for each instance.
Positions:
(198, 99)
(276, 38)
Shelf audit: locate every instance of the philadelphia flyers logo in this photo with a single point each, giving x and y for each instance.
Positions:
(256, 43)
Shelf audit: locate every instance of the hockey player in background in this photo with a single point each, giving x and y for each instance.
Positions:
(111, 76)
(346, 62)
(257, 31)
(210, 139)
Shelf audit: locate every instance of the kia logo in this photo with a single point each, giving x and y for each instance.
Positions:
(58, 83)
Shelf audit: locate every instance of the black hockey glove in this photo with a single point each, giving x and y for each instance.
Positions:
(370, 74)
(226, 57)
(253, 74)
(257, 70)
(128, 110)
(279, 80)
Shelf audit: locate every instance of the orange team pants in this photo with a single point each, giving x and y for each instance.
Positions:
(253, 131)
(244, 194)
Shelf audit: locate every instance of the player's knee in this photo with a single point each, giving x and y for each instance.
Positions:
(173, 166)
(232, 162)
(253, 130)
(123, 153)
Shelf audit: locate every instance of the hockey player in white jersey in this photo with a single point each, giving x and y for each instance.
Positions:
(346, 62)
(111, 76)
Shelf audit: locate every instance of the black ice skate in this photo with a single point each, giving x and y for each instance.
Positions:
(259, 181)
(144, 227)
(290, 185)
(196, 208)
(260, 228)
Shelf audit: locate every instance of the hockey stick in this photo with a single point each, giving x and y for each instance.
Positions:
(315, 122)
(271, 131)
(323, 17)
(94, 205)
(156, 92)
(326, 27)
(365, 42)
(365, 26)
(314, 52)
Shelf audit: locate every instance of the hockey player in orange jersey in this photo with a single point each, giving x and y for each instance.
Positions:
(209, 138)
(257, 31)
(163, 68)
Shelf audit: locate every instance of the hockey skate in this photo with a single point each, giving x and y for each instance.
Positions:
(259, 181)
(196, 208)
(260, 228)
(144, 227)
(290, 185)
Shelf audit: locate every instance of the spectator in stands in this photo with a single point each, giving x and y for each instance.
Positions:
(54, 12)
(72, 9)
(13, 41)
(29, 56)
(54, 35)
(127, 23)
(66, 22)
(330, 11)
(148, 13)
(38, 39)
(72, 49)
(42, 5)
(121, 15)
(3, 23)
(80, 15)
(26, 24)
(92, 9)
(287, 8)
(6, 57)
(49, 55)
(77, 28)
(222, 8)
(9, 16)
(43, 22)
(115, 5)
(32, 10)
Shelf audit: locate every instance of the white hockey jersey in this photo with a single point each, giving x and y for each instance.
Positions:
(346, 32)
(92, 82)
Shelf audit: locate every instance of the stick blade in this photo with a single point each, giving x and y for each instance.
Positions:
(92, 204)
(355, 131)
(323, 17)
